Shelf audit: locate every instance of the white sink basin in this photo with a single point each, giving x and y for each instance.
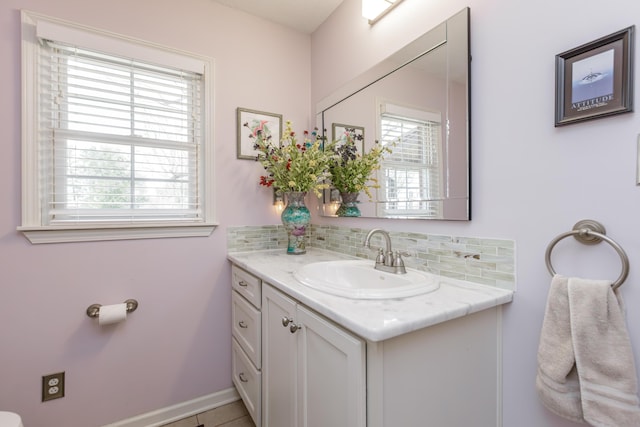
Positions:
(359, 280)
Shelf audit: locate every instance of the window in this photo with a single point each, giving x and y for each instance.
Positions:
(117, 137)
(410, 176)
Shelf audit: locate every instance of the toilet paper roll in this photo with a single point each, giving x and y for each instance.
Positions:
(112, 314)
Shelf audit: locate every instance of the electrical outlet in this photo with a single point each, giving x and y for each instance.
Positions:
(52, 386)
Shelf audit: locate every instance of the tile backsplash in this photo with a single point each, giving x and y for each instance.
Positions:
(480, 260)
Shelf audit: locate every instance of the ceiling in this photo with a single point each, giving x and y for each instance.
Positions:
(302, 15)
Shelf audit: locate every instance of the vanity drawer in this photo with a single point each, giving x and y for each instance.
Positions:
(248, 285)
(248, 382)
(246, 327)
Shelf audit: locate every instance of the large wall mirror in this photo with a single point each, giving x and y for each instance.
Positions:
(417, 100)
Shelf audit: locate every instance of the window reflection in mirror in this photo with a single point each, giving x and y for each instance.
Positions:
(410, 176)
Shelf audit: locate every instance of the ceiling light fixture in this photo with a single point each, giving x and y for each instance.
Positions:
(373, 10)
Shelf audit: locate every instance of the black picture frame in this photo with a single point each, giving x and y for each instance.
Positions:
(596, 79)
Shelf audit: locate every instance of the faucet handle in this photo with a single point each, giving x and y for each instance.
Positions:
(380, 257)
(397, 260)
(398, 263)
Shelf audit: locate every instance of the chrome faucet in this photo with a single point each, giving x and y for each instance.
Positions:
(385, 260)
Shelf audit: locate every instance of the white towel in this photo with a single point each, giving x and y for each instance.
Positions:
(586, 371)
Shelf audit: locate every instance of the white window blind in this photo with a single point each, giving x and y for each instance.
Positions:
(411, 181)
(119, 139)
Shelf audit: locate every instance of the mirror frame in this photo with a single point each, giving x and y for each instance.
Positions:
(431, 40)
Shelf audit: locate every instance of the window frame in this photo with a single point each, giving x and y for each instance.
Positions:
(32, 213)
(401, 113)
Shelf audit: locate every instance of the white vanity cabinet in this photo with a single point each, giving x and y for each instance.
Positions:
(246, 327)
(314, 372)
(327, 361)
(444, 375)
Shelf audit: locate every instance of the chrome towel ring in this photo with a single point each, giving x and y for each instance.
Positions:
(591, 232)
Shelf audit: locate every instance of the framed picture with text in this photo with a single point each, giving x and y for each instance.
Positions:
(596, 79)
(248, 123)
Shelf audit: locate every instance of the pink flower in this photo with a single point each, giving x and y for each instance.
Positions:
(260, 127)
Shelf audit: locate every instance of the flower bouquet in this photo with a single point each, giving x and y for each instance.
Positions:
(293, 168)
(351, 172)
(291, 165)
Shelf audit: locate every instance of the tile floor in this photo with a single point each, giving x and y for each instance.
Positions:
(232, 415)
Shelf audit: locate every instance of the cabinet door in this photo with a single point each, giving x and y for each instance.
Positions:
(279, 362)
(331, 374)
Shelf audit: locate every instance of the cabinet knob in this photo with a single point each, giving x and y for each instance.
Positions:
(242, 378)
(242, 324)
(243, 283)
(286, 321)
(293, 328)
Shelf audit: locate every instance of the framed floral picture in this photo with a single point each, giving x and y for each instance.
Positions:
(339, 130)
(596, 79)
(249, 122)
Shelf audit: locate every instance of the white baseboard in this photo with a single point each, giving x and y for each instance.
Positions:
(181, 410)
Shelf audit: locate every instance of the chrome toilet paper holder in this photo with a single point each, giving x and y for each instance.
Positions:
(93, 310)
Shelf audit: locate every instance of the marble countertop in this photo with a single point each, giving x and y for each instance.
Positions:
(373, 320)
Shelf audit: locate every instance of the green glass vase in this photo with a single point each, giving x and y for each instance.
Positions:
(349, 205)
(296, 218)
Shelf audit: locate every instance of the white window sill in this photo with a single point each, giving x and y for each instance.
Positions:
(94, 233)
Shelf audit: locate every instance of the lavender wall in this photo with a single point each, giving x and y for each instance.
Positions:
(531, 181)
(176, 346)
